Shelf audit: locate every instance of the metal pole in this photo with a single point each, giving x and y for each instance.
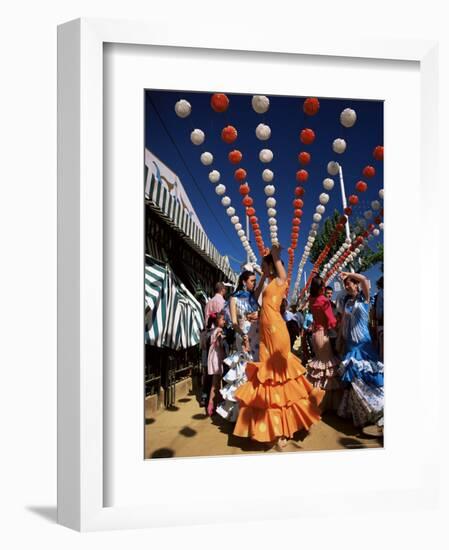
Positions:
(343, 200)
(343, 196)
(247, 236)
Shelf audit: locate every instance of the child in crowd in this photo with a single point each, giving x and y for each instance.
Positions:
(216, 323)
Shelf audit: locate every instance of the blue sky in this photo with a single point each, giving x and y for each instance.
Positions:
(286, 119)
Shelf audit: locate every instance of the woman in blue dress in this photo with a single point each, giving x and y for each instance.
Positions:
(361, 371)
(243, 312)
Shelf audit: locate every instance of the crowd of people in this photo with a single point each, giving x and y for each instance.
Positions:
(274, 369)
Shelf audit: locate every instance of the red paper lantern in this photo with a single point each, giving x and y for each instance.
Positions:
(299, 191)
(378, 219)
(361, 186)
(219, 103)
(240, 174)
(250, 211)
(290, 251)
(304, 157)
(229, 134)
(295, 230)
(247, 201)
(378, 152)
(359, 240)
(294, 245)
(353, 199)
(348, 210)
(298, 203)
(235, 156)
(369, 171)
(295, 221)
(307, 136)
(297, 212)
(253, 219)
(256, 226)
(343, 219)
(311, 106)
(302, 175)
(257, 232)
(244, 189)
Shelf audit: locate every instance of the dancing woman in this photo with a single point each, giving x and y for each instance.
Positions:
(361, 371)
(243, 309)
(322, 369)
(278, 400)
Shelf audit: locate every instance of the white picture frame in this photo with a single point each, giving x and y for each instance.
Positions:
(81, 487)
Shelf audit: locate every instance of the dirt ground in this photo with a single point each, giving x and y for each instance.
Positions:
(185, 430)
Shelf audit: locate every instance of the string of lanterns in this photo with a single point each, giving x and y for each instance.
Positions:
(220, 103)
(348, 118)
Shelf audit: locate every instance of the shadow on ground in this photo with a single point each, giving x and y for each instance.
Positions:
(49, 513)
(163, 453)
(242, 443)
(339, 424)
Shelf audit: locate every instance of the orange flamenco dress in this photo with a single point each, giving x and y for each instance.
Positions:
(277, 401)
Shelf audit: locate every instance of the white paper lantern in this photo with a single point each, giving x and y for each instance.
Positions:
(240, 232)
(320, 209)
(381, 194)
(272, 212)
(266, 155)
(348, 118)
(267, 175)
(381, 226)
(313, 233)
(376, 232)
(357, 250)
(317, 217)
(338, 253)
(225, 201)
(263, 132)
(314, 226)
(207, 158)
(238, 226)
(328, 184)
(332, 168)
(339, 146)
(221, 190)
(183, 108)
(345, 246)
(273, 228)
(375, 205)
(269, 190)
(230, 211)
(368, 214)
(324, 198)
(260, 104)
(272, 221)
(235, 221)
(270, 202)
(197, 137)
(214, 176)
(243, 238)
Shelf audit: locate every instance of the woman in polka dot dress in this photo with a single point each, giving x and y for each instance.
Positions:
(277, 400)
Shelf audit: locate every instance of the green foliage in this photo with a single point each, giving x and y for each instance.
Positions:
(366, 259)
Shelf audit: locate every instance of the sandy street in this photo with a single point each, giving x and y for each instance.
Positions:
(185, 430)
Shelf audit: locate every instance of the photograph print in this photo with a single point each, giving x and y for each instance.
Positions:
(263, 303)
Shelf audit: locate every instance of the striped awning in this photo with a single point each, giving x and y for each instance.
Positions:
(170, 208)
(173, 316)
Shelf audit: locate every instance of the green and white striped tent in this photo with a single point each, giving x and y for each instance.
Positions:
(177, 214)
(173, 316)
